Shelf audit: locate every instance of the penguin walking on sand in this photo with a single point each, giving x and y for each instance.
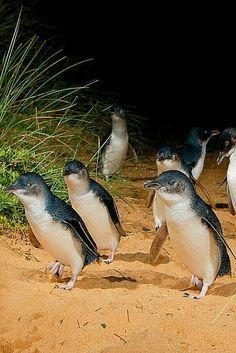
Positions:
(116, 147)
(167, 158)
(194, 230)
(95, 205)
(227, 148)
(193, 151)
(56, 225)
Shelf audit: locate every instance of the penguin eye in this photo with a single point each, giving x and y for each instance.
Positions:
(171, 182)
(29, 185)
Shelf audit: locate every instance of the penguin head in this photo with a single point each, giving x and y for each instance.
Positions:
(29, 186)
(227, 143)
(166, 152)
(75, 172)
(203, 135)
(117, 112)
(167, 158)
(172, 186)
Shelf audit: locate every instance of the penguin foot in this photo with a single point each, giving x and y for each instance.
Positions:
(190, 296)
(56, 268)
(67, 286)
(110, 258)
(196, 282)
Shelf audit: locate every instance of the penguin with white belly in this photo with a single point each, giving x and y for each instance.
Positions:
(117, 145)
(56, 225)
(194, 229)
(95, 205)
(167, 158)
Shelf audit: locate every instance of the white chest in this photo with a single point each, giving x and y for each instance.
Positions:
(193, 241)
(97, 219)
(115, 154)
(231, 178)
(55, 238)
(197, 170)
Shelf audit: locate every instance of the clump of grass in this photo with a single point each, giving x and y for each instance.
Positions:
(13, 163)
(43, 122)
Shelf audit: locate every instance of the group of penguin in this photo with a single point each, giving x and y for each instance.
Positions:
(75, 234)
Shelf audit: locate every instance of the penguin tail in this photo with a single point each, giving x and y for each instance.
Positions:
(91, 257)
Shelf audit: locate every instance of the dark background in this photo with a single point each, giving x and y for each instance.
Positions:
(176, 70)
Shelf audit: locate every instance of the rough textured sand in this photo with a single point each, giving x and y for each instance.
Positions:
(128, 306)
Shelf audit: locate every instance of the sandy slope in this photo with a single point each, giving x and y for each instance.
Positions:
(128, 306)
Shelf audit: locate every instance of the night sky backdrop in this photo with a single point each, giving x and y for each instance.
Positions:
(165, 67)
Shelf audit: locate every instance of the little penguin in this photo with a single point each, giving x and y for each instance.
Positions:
(56, 225)
(115, 149)
(194, 230)
(227, 148)
(193, 151)
(167, 158)
(95, 205)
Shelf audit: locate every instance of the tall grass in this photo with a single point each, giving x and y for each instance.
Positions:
(44, 122)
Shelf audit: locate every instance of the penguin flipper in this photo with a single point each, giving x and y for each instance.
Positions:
(107, 199)
(189, 154)
(150, 198)
(80, 231)
(195, 181)
(133, 154)
(157, 243)
(219, 234)
(104, 145)
(225, 267)
(230, 202)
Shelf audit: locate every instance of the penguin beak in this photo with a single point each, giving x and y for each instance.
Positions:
(215, 132)
(10, 188)
(220, 157)
(152, 184)
(66, 172)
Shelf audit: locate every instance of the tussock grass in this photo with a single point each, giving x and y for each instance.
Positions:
(43, 122)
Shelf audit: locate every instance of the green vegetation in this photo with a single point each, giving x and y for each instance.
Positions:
(43, 121)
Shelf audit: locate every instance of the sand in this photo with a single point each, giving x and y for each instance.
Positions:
(128, 306)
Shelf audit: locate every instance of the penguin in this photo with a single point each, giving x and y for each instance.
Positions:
(193, 151)
(167, 158)
(56, 225)
(194, 230)
(95, 205)
(116, 147)
(227, 148)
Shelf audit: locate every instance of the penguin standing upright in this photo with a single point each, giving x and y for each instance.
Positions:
(194, 229)
(227, 148)
(95, 205)
(193, 151)
(56, 225)
(115, 150)
(167, 158)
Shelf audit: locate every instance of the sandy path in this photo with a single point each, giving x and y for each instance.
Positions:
(128, 306)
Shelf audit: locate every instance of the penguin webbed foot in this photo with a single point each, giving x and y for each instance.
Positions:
(109, 258)
(56, 268)
(67, 286)
(190, 296)
(200, 295)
